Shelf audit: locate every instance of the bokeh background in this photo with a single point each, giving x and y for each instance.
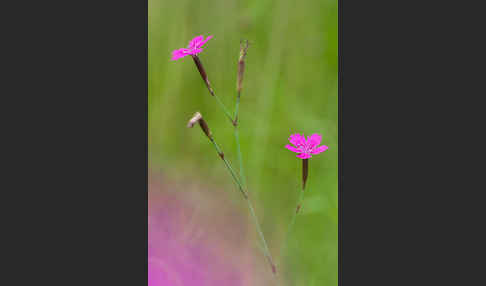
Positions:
(290, 86)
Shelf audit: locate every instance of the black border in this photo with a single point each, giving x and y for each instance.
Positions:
(76, 193)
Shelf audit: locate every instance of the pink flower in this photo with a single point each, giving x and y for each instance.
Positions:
(306, 148)
(194, 48)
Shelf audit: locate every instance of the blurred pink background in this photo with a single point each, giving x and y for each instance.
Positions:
(200, 239)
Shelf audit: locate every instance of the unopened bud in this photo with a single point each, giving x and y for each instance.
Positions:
(241, 65)
(197, 118)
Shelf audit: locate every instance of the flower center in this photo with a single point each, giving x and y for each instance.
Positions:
(305, 148)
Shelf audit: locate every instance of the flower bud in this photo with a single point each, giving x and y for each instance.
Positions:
(241, 64)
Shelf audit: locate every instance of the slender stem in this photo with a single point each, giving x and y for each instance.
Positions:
(260, 233)
(205, 78)
(237, 139)
(266, 251)
(241, 66)
(305, 165)
(237, 105)
(239, 86)
(240, 160)
(296, 212)
(223, 107)
(228, 165)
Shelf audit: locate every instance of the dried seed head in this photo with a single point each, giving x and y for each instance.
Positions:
(243, 49)
(197, 118)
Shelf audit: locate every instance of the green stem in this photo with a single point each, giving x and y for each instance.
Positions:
(204, 76)
(223, 107)
(297, 209)
(237, 139)
(237, 106)
(266, 251)
(260, 233)
(292, 222)
(238, 151)
(233, 174)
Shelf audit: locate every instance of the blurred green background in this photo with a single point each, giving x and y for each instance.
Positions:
(290, 86)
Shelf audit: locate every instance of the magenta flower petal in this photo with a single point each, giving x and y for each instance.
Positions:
(306, 148)
(180, 53)
(292, 148)
(193, 48)
(297, 139)
(204, 42)
(195, 51)
(314, 140)
(319, 149)
(304, 156)
(194, 43)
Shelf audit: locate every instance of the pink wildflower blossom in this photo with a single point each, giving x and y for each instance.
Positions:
(306, 148)
(194, 48)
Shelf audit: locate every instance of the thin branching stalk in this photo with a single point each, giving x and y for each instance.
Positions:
(239, 180)
(197, 118)
(204, 76)
(239, 156)
(266, 251)
(230, 169)
(239, 85)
